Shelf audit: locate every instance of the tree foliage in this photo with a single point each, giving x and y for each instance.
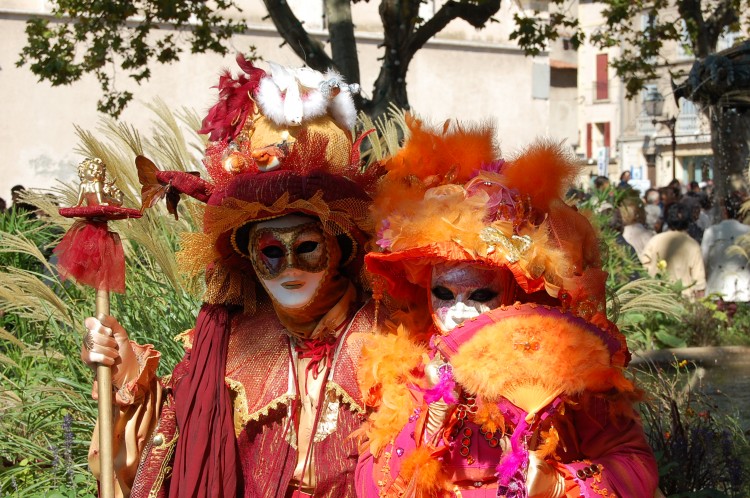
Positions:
(103, 37)
(643, 29)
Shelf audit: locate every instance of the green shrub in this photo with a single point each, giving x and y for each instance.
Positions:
(700, 452)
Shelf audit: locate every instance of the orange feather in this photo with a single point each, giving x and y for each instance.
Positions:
(543, 172)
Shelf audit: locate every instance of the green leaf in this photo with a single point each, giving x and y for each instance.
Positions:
(670, 340)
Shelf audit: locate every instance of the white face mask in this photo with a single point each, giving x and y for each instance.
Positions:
(290, 257)
(463, 291)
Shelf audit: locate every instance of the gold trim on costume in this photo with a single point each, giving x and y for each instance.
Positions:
(185, 339)
(345, 397)
(165, 468)
(241, 414)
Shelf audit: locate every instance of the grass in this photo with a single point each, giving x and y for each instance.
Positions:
(46, 410)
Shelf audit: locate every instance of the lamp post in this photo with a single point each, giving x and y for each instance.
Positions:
(653, 104)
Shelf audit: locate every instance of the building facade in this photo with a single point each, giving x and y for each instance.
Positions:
(655, 143)
(478, 75)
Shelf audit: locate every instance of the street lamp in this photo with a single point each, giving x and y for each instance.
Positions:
(653, 104)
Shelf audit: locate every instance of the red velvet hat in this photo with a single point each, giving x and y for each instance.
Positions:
(267, 161)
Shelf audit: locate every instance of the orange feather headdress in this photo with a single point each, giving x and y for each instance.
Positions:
(448, 196)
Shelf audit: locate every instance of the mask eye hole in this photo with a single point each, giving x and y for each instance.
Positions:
(443, 293)
(307, 247)
(483, 295)
(273, 252)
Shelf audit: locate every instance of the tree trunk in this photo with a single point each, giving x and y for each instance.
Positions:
(343, 43)
(389, 88)
(730, 141)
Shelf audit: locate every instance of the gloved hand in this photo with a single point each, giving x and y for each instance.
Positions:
(436, 413)
(543, 480)
(437, 410)
(106, 342)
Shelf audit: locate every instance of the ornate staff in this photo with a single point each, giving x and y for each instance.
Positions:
(92, 255)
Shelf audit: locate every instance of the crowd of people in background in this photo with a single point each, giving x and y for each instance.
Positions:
(680, 231)
(17, 205)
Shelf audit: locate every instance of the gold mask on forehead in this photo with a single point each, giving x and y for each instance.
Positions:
(274, 249)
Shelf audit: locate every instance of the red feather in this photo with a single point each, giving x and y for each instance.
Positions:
(227, 117)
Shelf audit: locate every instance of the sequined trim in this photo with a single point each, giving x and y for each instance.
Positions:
(353, 405)
(185, 338)
(165, 469)
(241, 414)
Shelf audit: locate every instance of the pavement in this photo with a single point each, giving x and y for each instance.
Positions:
(708, 356)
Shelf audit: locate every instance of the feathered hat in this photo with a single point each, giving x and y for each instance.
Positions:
(449, 196)
(279, 143)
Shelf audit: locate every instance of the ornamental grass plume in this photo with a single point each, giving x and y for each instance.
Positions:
(41, 317)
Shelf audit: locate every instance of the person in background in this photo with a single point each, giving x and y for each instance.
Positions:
(728, 273)
(705, 219)
(675, 252)
(603, 195)
(678, 188)
(694, 189)
(18, 206)
(668, 195)
(634, 231)
(694, 208)
(652, 209)
(601, 183)
(3, 205)
(624, 179)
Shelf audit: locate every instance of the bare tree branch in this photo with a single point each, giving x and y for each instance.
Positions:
(291, 30)
(343, 42)
(475, 14)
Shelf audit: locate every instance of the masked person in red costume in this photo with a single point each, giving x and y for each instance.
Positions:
(264, 401)
(503, 376)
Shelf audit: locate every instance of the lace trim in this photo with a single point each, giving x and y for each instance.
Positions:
(346, 398)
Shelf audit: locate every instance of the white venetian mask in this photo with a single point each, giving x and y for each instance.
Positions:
(459, 292)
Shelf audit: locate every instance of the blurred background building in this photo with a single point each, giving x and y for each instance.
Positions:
(567, 95)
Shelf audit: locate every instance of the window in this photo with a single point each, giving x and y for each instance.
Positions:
(602, 77)
(597, 137)
(648, 20)
(604, 128)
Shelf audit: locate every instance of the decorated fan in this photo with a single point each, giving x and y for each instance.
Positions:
(535, 357)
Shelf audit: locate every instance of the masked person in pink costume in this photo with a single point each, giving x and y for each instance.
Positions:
(264, 401)
(502, 375)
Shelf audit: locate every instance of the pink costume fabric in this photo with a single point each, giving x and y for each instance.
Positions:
(538, 379)
(589, 436)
